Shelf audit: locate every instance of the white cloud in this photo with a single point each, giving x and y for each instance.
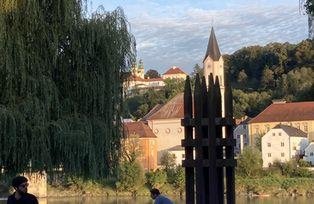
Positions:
(176, 32)
(181, 40)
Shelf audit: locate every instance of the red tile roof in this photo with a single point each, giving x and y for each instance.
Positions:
(174, 70)
(280, 112)
(138, 128)
(172, 109)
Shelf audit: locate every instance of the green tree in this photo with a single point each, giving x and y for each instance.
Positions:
(61, 86)
(250, 163)
(151, 73)
(156, 179)
(168, 160)
(242, 77)
(267, 80)
(130, 177)
(176, 178)
(173, 87)
(197, 69)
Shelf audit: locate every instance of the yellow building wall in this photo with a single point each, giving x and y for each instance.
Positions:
(259, 129)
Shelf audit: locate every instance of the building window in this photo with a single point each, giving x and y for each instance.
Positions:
(183, 156)
(311, 154)
(268, 144)
(238, 136)
(294, 148)
(274, 134)
(269, 154)
(282, 144)
(179, 130)
(244, 127)
(282, 154)
(279, 134)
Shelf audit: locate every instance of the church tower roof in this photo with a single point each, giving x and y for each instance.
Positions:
(212, 47)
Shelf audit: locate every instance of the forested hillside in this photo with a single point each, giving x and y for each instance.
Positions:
(259, 74)
(275, 71)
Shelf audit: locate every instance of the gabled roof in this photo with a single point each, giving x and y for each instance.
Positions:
(291, 131)
(174, 70)
(176, 148)
(212, 47)
(138, 128)
(172, 109)
(151, 112)
(282, 112)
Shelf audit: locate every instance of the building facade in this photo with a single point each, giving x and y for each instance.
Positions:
(141, 141)
(136, 83)
(309, 153)
(165, 122)
(283, 143)
(297, 114)
(241, 135)
(174, 73)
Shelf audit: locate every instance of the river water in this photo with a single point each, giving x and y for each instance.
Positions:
(146, 200)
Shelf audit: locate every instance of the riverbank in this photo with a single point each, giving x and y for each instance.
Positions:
(259, 187)
(275, 186)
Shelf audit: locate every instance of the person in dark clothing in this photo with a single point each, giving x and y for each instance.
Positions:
(20, 196)
(159, 199)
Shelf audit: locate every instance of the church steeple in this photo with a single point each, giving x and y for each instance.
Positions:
(212, 47)
(214, 64)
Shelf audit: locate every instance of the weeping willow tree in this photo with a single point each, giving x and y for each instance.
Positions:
(61, 86)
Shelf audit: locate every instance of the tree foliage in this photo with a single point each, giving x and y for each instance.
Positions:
(61, 86)
(249, 163)
(151, 73)
(156, 179)
(130, 177)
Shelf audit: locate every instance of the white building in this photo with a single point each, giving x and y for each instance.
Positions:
(165, 121)
(241, 135)
(283, 143)
(309, 153)
(179, 153)
(174, 73)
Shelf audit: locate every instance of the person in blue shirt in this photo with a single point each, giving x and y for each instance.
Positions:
(159, 199)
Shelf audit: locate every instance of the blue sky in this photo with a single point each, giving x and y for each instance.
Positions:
(176, 32)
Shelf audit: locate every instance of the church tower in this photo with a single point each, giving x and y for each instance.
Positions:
(213, 63)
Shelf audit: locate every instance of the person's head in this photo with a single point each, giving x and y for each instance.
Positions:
(154, 193)
(20, 184)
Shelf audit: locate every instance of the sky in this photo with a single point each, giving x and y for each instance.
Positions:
(176, 32)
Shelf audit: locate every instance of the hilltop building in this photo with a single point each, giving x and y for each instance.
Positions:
(136, 83)
(174, 73)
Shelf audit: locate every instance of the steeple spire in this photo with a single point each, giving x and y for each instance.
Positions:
(212, 47)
